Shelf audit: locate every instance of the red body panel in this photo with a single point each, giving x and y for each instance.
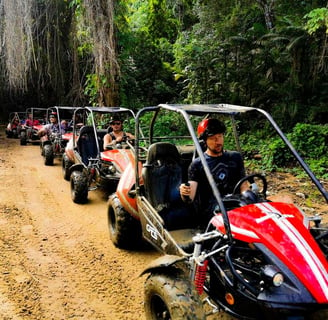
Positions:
(125, 185)
(38, 127)
(121, 157)
(67, 136)
(280, 227)
(69, 149)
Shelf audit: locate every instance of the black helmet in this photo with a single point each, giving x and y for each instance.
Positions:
(212, 127)
(115, 118)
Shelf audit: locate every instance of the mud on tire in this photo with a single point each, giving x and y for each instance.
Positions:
(79, 187)
(48, 155)
(170, 296)
(124, 230)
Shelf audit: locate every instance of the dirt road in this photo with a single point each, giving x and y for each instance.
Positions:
(57, 261)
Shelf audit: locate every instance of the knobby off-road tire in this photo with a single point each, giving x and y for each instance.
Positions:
(168, 296)
(66, 164)
(79, 187)
(124, 230)
(23, 138)
(48, 154)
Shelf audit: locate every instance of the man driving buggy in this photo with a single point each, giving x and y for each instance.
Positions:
(227, 168)
(115, 133)
(52, 127)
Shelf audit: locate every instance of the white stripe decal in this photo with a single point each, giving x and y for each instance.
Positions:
(244, 232)
(240, 231)
(308, 249)
(308, 254)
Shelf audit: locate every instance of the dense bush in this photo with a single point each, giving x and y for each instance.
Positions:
(310, 141)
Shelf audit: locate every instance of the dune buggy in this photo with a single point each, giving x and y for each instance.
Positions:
(53, 145)
(14, 124)
(85, 162)
(254, 260)
(35, 118)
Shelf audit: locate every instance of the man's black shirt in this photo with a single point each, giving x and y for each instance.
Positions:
(227, 170)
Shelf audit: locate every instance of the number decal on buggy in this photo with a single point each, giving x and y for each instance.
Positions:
(152, 231)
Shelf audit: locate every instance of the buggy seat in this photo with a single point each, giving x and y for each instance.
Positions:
(86, 144)
(162, 176)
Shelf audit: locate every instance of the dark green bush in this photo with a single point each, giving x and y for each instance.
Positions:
(310, 141)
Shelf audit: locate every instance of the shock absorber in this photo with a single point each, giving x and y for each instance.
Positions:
(200, 276)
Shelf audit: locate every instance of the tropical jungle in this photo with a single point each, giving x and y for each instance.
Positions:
(270, 54)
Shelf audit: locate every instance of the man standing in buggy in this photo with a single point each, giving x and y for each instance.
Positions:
(227, 168)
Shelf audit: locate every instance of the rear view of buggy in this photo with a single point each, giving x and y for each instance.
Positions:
(35, 118)
(14, 126)
(53, 144)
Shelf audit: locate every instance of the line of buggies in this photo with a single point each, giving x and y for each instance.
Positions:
(78, 143)
(259, 259)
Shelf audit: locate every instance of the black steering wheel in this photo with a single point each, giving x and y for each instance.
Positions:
(251, 179)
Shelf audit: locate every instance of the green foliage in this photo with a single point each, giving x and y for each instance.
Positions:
(183, 51)
(160, 21)
(92, 85)
(310, 141)
(316, 19)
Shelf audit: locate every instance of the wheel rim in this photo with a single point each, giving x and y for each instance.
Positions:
(159, 308)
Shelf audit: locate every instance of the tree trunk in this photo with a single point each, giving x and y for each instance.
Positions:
(267, 7)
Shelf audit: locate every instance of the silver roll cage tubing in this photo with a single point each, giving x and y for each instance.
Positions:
(57, 110)
(186, 110)
(199, 151)
(89, 111)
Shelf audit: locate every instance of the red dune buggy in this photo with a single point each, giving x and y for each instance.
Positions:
(35, 118)
(14, 124)
(257, 259)
(85, 162)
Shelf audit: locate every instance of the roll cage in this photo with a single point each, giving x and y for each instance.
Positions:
(227, 110)
(97, 119)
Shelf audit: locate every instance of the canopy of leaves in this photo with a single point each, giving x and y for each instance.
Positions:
(270, 54)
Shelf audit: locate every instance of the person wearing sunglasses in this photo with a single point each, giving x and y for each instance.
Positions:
(116, 134)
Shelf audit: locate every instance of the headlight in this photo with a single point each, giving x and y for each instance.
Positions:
(272, 276)
(112, 169)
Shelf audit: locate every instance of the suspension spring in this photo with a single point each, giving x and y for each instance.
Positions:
(200, 276)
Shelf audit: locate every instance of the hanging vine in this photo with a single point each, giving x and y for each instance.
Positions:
(16, 36)
(99, 17)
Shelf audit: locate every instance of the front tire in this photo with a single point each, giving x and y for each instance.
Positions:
(170, 296)
(48, 154)
(124, 230)
(79, 187)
